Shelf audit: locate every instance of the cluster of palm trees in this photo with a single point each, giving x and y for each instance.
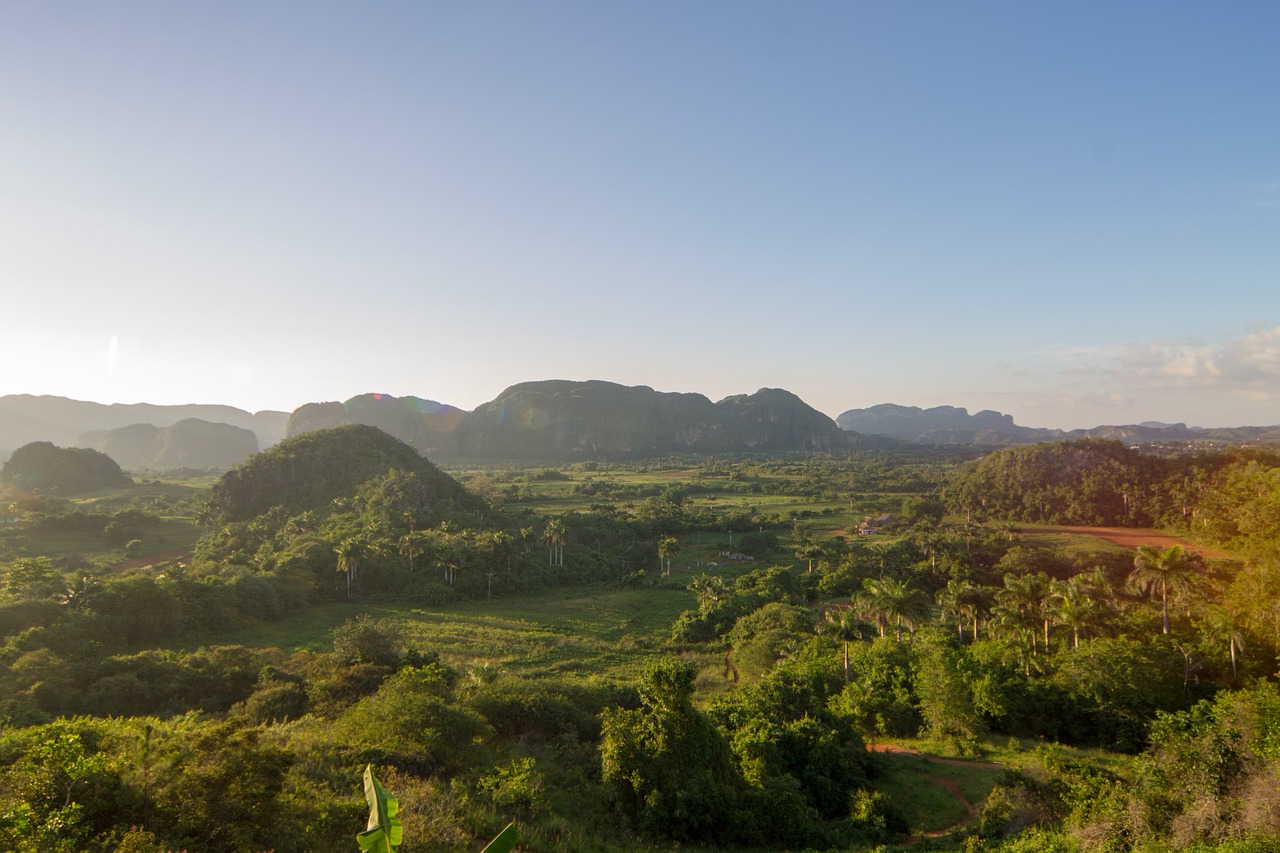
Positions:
(446, 549)
(1030, 605)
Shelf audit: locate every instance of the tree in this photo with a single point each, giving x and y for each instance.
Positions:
(711, 590)
(555, 539)
(667, 546)
(842, 622)
(942, 684)
(1219, 624)
(348, 551)
(893, 600)
(411, 547)
(1025, 595)
(966, 601)
(1071, 605)
(667, 764)
(1171, 571)
(810, 551)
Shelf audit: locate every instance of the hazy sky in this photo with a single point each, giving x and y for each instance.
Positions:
(1069, 212)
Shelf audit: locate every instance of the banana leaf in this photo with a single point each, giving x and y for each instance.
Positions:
(503, 842)
(384, 832)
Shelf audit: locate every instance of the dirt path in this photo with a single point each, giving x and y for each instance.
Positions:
(151, 560)
(948, 785)
(1126, 537)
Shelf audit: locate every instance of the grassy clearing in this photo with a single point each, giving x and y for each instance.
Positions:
(910, 781)
(927, 806)
(156, 538)
(600, 631)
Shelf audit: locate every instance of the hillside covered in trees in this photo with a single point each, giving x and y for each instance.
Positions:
(42, 466)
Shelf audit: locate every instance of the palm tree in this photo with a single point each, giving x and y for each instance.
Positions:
(78, 593)
(895, 600)
(348, 551)
(809, 551)
(1173, 570)
(411, 547)
(931, 543)
(1220, 624)
(710, 589)
(966, 601)
(1007, 622)
(842, 621)
(555, 538)
(1025, 595)
(502, 544)
(206, 516)
(452, 556)
(1070, 605)
(666, 548)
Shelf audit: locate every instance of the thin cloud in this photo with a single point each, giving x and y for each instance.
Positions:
(1249, 365)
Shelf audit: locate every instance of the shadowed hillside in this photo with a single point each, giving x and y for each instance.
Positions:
(190, 443)
(309, 471)
(42, 466)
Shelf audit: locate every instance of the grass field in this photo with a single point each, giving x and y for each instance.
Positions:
(601, 631)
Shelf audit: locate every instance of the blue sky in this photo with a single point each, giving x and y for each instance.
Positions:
(1068, 212)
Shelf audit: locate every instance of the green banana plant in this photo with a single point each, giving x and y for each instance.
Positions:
(384, 832)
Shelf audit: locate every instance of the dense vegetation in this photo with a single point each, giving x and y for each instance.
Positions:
(41, 466)
(583, 651)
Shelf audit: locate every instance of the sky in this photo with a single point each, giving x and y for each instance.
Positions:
(1067, 212)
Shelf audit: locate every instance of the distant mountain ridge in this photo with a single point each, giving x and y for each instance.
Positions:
(566, 420)
(417, 422)
(190, 443)
(549, 421)
(25, 418)
(948, 425)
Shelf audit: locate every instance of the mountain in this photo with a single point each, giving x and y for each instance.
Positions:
(424, 424)
(190, 443)
(43, 466)
(25, 418)
(954, 426)
(940, 425)
(563, 420)
(308, 472)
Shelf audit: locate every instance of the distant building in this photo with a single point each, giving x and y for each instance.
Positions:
(879, 524)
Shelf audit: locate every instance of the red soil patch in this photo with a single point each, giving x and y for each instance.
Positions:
(1129, 538)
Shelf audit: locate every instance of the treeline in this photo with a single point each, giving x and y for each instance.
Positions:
(1227, 498)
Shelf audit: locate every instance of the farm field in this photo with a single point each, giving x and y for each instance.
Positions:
(1122, 536)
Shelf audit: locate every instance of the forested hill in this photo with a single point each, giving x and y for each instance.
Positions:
(309, 472)
(564, 420)
(42, 466)
(190, 443)
(955, 426)
(1227, 499)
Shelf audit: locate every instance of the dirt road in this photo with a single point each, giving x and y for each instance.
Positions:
(1126, 537)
